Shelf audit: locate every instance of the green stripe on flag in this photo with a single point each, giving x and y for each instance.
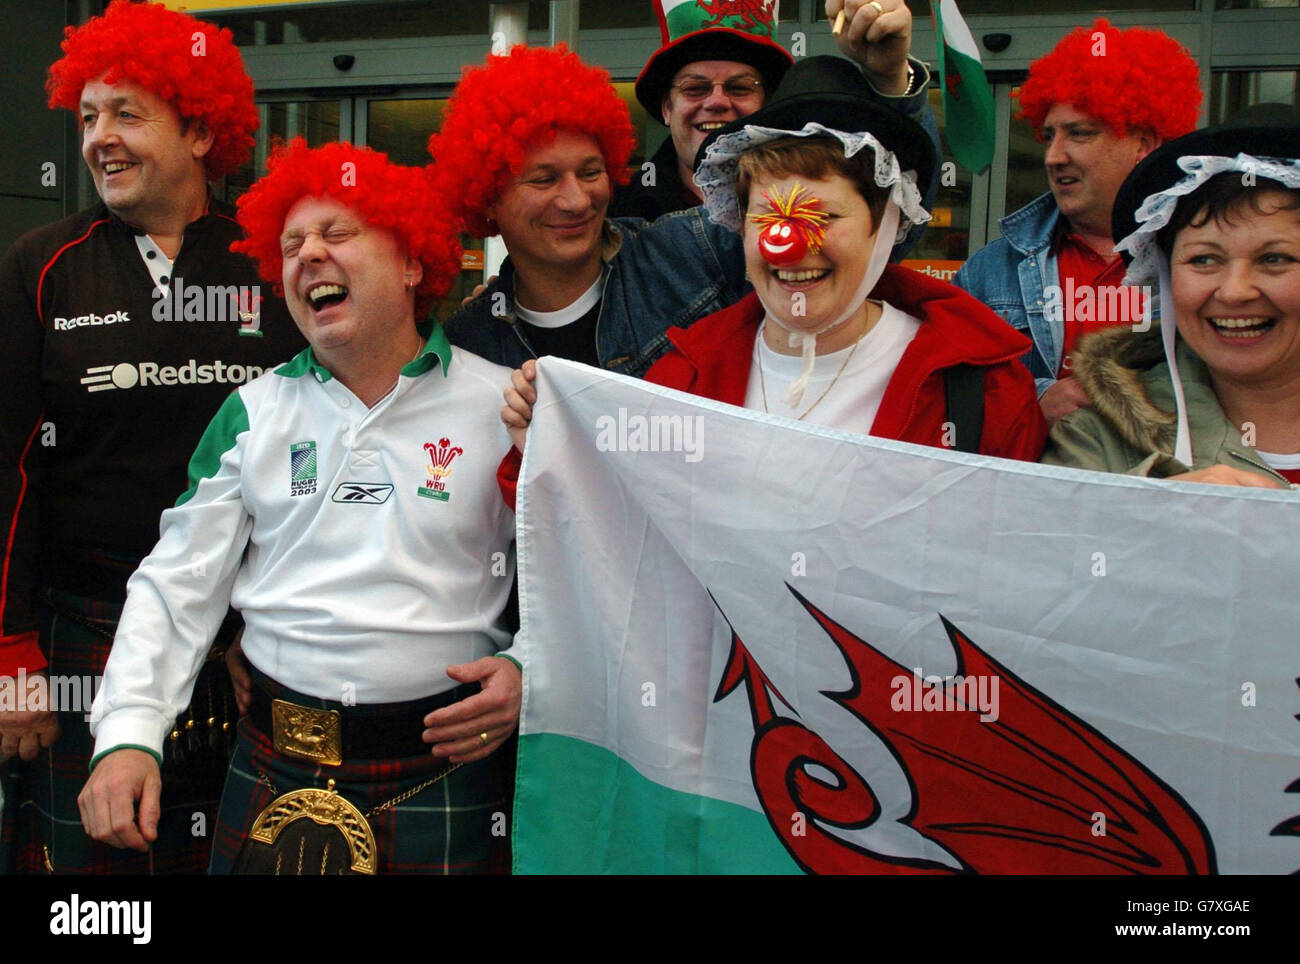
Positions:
(580, 809)
(967, 97)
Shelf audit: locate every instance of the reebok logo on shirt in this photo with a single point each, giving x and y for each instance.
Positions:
(85, 321)
(363, 493)
(102, 378)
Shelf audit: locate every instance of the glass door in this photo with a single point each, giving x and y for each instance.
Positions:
(967, 207)
(400, 126)
(318, 120)
(1022, 175)
(955, 212)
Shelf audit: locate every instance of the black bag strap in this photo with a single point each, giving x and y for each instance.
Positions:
(964, 392)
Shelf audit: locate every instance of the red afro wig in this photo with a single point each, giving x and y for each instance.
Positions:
(1130, 80)
(501, 110)
(385, 194)
(186, 62)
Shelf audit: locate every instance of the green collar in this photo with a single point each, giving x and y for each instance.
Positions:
(303, 363)
(437, 348)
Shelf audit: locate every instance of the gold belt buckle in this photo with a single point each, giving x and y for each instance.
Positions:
(305, 733)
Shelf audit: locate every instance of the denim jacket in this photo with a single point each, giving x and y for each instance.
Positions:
(685, 268)
(1011, 276)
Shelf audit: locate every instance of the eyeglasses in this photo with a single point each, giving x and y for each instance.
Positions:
(737, 88)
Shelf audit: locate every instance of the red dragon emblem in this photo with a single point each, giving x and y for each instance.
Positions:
(952, 81)
(751, 13)
(1017, 794)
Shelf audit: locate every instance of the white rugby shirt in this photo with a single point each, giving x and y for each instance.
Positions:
(367, 549)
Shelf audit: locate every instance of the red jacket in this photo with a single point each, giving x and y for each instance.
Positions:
(712, 358)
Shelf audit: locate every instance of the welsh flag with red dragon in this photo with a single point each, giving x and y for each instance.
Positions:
(755, 646)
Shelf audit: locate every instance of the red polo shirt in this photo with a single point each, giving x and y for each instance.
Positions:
(1091, 299)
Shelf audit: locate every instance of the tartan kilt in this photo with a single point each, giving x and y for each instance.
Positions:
(76, 634)
(459, 825)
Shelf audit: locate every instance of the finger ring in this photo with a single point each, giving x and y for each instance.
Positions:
(483, 737)
(879, 8)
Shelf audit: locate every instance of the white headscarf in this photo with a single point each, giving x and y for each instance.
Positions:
(1151, 265)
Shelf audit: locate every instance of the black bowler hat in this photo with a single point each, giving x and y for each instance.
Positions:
(1262, 131)
(832, 91)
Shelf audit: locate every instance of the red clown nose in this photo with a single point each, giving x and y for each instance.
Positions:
(795, 225)
(782, 244)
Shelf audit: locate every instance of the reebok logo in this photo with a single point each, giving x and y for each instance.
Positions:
(85, 321)
(103, 378)
(365, 493)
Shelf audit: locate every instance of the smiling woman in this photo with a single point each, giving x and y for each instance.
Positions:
(1235, 269)
(821, 182)
(1213, 218)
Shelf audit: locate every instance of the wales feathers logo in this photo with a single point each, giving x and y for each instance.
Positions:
(250, 312)
(439, 469)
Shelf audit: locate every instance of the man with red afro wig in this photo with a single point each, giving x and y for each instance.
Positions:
(502, 111)
(387, 195)
(346, 504)
(1100, 102)
(530, 147)
(125, 327)
(193, 66)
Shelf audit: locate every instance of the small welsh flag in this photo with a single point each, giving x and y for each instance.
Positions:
(680, 17)
(967, 97)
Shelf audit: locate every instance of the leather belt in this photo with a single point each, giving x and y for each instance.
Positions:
(329, 733)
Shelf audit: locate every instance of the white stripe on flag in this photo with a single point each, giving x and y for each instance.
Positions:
(1134, 640)
(956, 34)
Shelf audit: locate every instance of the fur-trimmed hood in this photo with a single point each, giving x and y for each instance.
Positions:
(1112, 366)
(1131, 424)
